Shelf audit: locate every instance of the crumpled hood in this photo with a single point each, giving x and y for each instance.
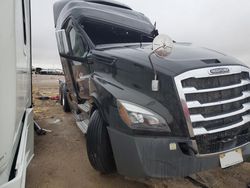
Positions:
(184, 57)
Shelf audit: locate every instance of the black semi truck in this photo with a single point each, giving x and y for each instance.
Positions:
(149, 106)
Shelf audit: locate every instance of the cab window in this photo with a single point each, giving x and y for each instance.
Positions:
(77, 46)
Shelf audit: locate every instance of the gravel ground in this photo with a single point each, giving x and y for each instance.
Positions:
(61, 160)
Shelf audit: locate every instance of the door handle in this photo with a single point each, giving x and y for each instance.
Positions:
(90, 59)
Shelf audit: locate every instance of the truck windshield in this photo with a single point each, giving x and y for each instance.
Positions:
(103, 33)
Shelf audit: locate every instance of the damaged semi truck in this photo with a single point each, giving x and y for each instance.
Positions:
(149, 106)
(16, 114)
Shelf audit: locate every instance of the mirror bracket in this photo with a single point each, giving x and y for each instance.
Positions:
(162, 47)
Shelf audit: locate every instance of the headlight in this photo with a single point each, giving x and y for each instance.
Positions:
(137, 117)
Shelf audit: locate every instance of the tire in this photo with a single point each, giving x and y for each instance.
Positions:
(98, 145)
(60, 95)
(65, 102)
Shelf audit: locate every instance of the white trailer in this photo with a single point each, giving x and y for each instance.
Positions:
(16, 114)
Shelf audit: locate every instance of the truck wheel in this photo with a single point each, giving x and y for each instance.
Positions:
(98, 145)
(65, 102)
(60, 95)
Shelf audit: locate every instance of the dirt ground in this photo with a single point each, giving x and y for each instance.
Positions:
(61, 159)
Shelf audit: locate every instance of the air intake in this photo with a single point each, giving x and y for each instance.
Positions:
(211, 61)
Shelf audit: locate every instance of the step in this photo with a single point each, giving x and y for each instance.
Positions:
(83, 125)
(84, 107)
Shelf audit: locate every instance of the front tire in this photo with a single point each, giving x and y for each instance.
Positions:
(98, 145)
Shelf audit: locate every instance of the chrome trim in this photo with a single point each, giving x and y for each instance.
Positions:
(189, 90)
(199, 117)
(184, 104)
(221, 152)
(197, 104)
(202, 130)
(204, 73)
(219, 71)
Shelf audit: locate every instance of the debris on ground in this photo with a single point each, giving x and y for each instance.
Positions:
(56, 98)
(55, 121)
(43, 98)
(39, 131)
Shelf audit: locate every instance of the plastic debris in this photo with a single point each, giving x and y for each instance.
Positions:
(39, 131)
(56, 98)
(56, 121)
(43, 98)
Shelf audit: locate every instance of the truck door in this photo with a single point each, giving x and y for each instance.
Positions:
(79, 62)
(63, 48)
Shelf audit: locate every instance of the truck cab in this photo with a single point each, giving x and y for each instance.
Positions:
(196, 118)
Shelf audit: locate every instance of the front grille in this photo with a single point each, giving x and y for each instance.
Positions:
(219, 109)
(213, 82)
(216, 104)
(216, 96)
(219, 123)
(222, 141)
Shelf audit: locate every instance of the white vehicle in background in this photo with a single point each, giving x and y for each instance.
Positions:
(16, 114)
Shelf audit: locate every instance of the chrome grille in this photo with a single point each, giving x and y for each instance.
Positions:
(215, 102)
(216, 107)
(223, 141)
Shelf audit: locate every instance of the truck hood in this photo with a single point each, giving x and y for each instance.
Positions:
(184, 57)
(130, 76)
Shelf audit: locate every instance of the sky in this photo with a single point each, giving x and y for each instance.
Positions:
(222, 25)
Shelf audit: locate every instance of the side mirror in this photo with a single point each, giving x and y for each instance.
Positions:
(163, 45)
(62, 43)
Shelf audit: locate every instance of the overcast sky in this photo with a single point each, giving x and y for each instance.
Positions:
(223, 25)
